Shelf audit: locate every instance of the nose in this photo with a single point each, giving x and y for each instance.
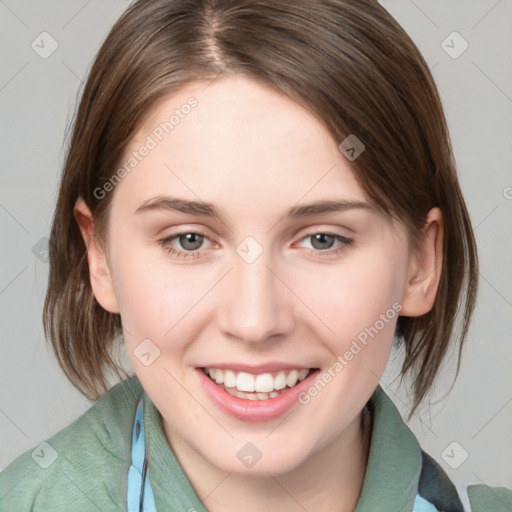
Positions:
(256, 305)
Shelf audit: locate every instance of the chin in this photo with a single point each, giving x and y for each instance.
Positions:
(258, 459)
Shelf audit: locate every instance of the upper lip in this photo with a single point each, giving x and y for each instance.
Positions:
(256, 369)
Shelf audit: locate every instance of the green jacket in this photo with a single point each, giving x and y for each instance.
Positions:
(84, 466)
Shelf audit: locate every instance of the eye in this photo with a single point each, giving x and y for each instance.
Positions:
(322, 243)
(190, 241)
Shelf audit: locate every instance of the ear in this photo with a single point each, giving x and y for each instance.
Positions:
(99, 272)
(424, 268)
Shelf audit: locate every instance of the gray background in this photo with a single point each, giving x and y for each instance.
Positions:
(37, 98)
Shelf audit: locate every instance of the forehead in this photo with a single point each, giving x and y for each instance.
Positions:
(241, 139)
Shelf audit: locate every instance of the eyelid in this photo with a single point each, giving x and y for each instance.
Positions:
(334, 231)
(314, 229)
(177, 231)
(303, 233)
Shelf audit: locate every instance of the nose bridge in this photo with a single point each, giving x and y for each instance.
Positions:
(256, 306)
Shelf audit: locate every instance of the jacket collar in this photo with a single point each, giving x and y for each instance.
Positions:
(394, 461)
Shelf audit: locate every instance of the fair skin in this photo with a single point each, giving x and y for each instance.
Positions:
(254, 153)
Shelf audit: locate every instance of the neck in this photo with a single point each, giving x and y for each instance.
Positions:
(330, 479)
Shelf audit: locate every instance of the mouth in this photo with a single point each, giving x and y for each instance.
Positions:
(261, 386)
(256, 394)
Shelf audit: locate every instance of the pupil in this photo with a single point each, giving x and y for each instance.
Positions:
(189, 239)
(322, 237)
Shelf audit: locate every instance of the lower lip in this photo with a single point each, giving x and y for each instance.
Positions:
(254, 410)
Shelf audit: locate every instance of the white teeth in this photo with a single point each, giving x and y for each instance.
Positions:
(245, 382)
(291, 380)
(264, 383)
(280, 381)
(254, 387)
(229, 379)
(219, 376)
(303, 374)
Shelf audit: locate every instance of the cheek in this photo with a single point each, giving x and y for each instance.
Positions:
(358, 301)
(163, 301)
(150, 295)
(352, 297)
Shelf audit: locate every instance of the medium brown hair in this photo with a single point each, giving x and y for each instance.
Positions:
(346, 61)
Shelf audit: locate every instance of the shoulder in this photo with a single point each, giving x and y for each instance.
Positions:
(395, 443)
(484, 498)
(83, 466)
(437, 489)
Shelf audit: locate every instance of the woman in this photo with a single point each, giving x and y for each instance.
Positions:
(258, 198)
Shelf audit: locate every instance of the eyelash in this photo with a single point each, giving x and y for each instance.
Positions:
(345, 242)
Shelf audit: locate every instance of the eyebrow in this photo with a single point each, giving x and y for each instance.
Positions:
(201, 208)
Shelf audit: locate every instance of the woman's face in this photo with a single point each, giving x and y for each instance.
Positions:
(268, 291)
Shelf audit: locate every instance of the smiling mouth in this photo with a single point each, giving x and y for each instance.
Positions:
(263, 386)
